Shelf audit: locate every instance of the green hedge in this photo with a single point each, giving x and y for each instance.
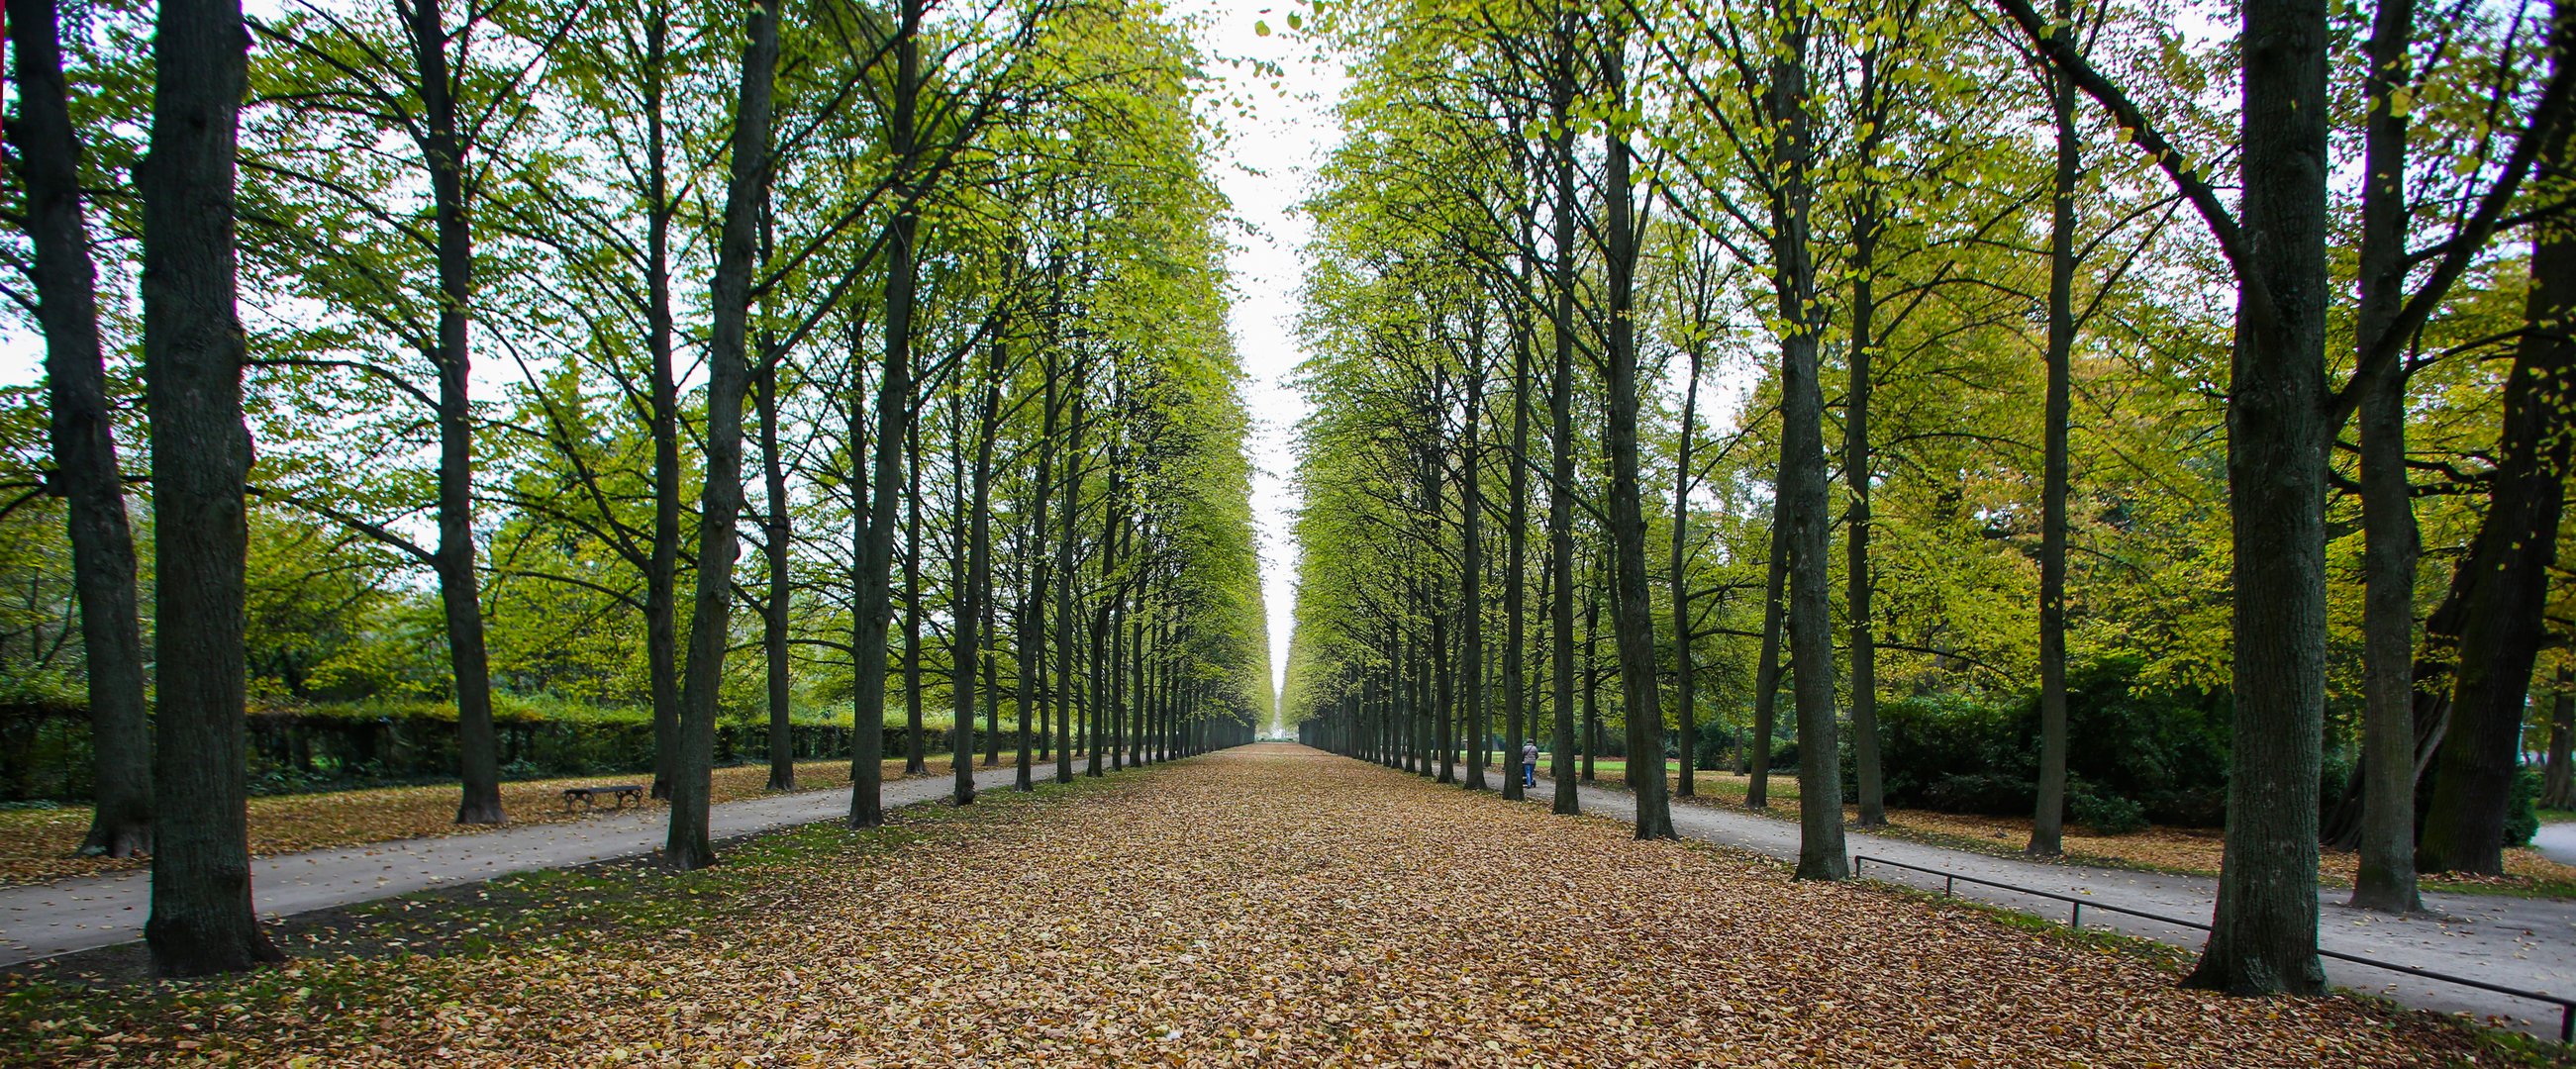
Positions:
(45, 751)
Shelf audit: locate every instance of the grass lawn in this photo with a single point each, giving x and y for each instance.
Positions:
(42, 844)
(1256, 907)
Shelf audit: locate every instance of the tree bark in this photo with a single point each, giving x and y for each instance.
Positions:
(1032, 620)
(86, 474)
(661, 579)
(1516, 578)
(460, 592)
(720, 502)
(2263, 938)
(2048, 820)
(1685, 698)
(2502, 623)
(2386, 880)
(976, 582)
(1560, 402)
(1802, 468)
(1858, 583)
(1633, 612)
(871, 602)
(1766, 673)
(773, 618)
(1471, 608)
(201, 920)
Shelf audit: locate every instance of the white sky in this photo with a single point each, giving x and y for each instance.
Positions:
(1265, 170)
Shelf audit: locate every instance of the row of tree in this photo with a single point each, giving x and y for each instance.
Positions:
(2035, 313)
(539, 312)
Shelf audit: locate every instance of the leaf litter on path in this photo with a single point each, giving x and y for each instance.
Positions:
(1262, 906)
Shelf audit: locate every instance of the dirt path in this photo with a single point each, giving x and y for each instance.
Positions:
(1263, 906)
(2516, 942)
(42, 920)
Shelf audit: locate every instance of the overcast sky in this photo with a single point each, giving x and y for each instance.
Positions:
(1265, 168)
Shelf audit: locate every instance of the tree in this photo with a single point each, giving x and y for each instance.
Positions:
(201, 918)
(86, 474)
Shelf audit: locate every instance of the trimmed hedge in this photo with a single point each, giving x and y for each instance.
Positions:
(45, 752)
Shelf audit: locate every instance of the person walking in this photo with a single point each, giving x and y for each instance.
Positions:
(1529, 764)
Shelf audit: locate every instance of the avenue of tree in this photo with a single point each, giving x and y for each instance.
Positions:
(698, 357)
(1917, 354)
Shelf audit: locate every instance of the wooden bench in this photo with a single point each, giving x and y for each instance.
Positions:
(589, 796)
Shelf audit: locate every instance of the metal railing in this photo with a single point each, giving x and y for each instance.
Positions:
(2075, 919)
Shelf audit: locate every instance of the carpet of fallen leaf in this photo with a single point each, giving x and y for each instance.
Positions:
(43, 844)
(2191, 851)
(1264, 906)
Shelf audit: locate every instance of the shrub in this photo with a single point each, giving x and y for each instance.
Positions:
(2522, 808)
(2108, 814)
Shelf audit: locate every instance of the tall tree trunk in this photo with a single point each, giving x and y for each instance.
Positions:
(773, 631)
(1802, 467)
(720, 502)
(201, 919)
(2386, 880)
(1685, 698)
(1032, 621)
(86, 474)
(1471, 610)
(867, 739)
(661, 578)
(2502, 626)
(1516, 577)
(1766, 672)
(915, 760)
(871, 602)
(1064, 567)
(1857, 466)
(975, 583)
(1633, 612)
(1591, 670)
(459, 588)
(2264, 935)
(1560, 403)
(2048, 818)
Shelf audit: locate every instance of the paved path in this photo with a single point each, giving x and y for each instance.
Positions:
(2514, 942)
(42, 920)
(2557, 842)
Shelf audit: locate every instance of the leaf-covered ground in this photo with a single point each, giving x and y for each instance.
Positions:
(2190, 851)
(42, 844)
(1257, 907)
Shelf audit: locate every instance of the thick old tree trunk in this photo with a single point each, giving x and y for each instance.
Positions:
(201, 919)
(2264, 936)
(83, 429)
(2501, 625)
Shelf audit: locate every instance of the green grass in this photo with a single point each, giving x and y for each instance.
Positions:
(2558, 816)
